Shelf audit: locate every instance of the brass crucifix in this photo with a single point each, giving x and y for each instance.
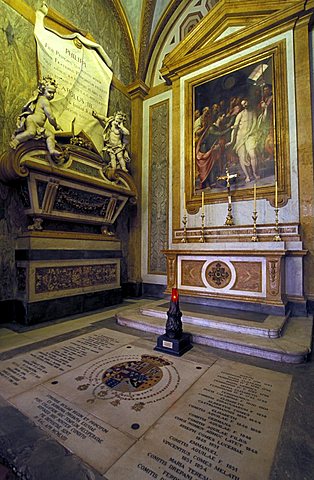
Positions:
(229, 219)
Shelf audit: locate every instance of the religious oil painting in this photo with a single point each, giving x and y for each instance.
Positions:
(234, 129)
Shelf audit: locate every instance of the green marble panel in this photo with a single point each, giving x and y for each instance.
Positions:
(158, 188)
(18, 71)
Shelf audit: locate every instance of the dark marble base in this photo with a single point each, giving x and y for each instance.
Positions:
(132, 289)
(310, 307)
(231, 304)
(174, 346)
(34, 255)
(38, 312)
(11, 311)
(154, 290)
(299, 309)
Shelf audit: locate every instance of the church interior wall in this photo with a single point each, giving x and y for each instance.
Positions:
(16, 85)
(162, 208)
(98, 18)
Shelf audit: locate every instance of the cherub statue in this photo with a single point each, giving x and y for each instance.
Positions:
(115, 134)
(31, 122)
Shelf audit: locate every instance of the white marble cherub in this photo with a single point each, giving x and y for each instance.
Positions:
(115, 133)
(31, 122)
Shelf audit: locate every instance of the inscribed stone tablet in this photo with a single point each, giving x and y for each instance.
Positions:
(224, 427)
(129, 388)
(24, 371)
(91, 439)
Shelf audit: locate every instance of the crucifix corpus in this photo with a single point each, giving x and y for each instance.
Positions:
(229, 219)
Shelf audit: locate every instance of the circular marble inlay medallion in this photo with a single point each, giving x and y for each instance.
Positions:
(218, 274)
(135, 375)
(140, 379)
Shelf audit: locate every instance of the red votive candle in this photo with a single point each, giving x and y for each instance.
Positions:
(174, 295)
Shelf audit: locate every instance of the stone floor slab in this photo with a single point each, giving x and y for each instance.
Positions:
(25, 371)
(129, 388)
(225, 426)
(95, 442)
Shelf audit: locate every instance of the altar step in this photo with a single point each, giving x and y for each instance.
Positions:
(281, 339)
(249, 323)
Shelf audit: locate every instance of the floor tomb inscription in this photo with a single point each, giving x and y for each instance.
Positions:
(87, 436)
(224, 427)
(24, 371)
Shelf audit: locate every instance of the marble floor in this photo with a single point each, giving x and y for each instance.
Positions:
(86, 398)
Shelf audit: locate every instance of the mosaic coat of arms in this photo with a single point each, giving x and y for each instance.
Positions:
(140, 379)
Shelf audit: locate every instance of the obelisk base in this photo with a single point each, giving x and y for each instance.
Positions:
(174, 346)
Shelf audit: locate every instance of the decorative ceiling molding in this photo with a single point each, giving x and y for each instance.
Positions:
(169, 17)
(146, 24)
(124, 22)
(207, 39)
(176, 22)
(133, 11)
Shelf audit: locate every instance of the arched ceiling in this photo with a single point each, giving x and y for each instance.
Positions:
(149, 23)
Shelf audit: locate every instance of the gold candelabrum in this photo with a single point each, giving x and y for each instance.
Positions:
(184, 221)
(229, 219)
(202, 237)
(277, 237)
(254, 237)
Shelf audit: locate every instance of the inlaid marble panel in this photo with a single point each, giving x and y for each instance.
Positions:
(158, 186)
(61, 278)
(248, 276)
(192, 273)
(218, 274)
(49, 279)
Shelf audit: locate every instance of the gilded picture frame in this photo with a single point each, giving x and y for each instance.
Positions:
(239, 127)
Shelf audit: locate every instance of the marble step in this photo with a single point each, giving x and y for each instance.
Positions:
(293, 346)
(271, 327)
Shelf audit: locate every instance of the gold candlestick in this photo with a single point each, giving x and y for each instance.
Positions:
(277, 237)
(254, 237)
(202, 237)
(229, 218)
(276, 194)
(184, 221)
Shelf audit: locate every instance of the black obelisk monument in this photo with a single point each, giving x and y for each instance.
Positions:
(174, 341)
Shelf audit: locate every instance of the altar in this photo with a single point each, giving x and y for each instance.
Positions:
(239, 233)
(261, 276)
